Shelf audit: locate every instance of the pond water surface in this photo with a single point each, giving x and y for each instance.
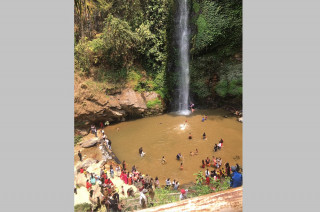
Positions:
(166, 136)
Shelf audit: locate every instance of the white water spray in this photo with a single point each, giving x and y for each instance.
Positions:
(183, 46)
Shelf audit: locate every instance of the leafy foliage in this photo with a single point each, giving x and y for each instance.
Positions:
(77, 139)
(153, 103)
(82, 207)
(219, 23)
(162, 196)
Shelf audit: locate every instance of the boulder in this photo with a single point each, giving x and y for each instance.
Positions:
(80, 180)
(90, 143)
(86, 163)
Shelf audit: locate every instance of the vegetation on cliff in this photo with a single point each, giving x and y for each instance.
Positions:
(216, 58)
(118, 40)
(132, 44)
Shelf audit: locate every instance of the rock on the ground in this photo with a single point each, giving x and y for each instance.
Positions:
(86, 163)
(80, 180)
(90, 143)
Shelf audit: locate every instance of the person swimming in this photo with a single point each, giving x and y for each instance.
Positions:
(190, 136)
(181, 166)
(196, 152)
(191, 154)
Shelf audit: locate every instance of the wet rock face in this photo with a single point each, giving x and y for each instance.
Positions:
(120, 106)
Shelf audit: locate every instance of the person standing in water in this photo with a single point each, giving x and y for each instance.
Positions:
(141, 152)
(163, 161)
(179, 156)
(181, 166)
(204, 136)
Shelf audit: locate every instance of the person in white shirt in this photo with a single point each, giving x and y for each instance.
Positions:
(143, 198)
(207, 173)
(176, 185)
(168, 183)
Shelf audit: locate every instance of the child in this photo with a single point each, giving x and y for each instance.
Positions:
(122, 191)
(181, 167)
(176, 185)
(157, 183)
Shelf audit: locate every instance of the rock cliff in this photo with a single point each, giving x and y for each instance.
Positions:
(93, 104)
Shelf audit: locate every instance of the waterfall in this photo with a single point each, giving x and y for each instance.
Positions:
(183, 34)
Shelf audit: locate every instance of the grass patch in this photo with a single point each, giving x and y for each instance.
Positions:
(153, 103)
(82, 207)
(77, 139)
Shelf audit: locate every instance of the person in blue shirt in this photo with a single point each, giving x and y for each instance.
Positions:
(236, 178)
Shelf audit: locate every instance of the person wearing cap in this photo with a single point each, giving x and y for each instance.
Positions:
(236, 178)
(183, 194)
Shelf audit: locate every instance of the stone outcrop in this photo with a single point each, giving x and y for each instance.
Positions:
(224, 201)
(92, 106)
(90, 143)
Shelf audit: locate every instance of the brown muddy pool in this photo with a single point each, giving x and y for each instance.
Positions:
(163, 136)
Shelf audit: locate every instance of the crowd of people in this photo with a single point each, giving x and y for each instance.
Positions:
(145, 183)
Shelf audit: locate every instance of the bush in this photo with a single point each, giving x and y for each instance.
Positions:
(153, 103)
(84, 207)
(77, 139)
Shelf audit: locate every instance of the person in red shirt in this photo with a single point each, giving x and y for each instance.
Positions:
(108, 182)
(130, 180)
(88, 185)
(208, 180)
(81, 170)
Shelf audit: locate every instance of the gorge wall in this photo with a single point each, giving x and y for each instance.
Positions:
(126, 57)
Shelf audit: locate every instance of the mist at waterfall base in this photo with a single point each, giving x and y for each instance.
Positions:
(183, 35)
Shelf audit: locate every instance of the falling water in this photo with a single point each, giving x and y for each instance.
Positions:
(183, 34)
